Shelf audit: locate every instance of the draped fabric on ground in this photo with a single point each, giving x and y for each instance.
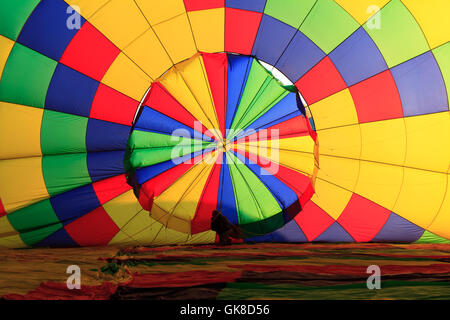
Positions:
(374, 73)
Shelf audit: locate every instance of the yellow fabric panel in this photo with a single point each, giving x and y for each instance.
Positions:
(208, 27)
(187, 84)
(331, 198)
(148, 53)
(157, 11)
(6, 229)
(122, 239)
(441, 224)
(428, 142)
(361, 10)
(170, 221)
(432, 16)
(334, 111)
(421, 196)
(12, 242)
(143, 230)
(203, 237)
(262, 151)
(120, 21)
(122, 208)
(195, 77)
(341, 141)
(126, 77)
(176, 36)
(384, 141)
(301, 144)
(340, 171)
(5, 49)
(182, 197)
(379, 183)
(22, 182)
(87, 7)
(20, 131)
(299, 161)
(9, 238)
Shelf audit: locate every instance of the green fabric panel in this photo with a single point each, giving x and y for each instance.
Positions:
(263, 227)
(13, 15)
(33, 237)
(442, 55)
(26, 77)
(63, 133)
(144, 139)
(36, 216)
(147, 157)
(400, 37)
(292, 12)
(429, 237)
(266, 100)
(65, 172)
(328, 25)
(254, 202)
(258, 78)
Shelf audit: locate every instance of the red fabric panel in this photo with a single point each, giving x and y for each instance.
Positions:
(313, 220)
(90, 52)
(2, 209)
(86, 232)
(233, 240)
(321, 81)
(194, 5)
(377, 98)
(154, 187)
(294, 127)
(59, 291)
(110, 188)
(362, 218)
(111, 105)
(216, 66)
(241, 27)
(161, 100)
(207, 203)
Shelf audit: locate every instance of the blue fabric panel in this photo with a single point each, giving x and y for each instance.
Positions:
(75, 203)
(358, 58)
(226, 202)
(46, 29)
(290, 232)
(421, 86)
(335, 233)
(300, 56)
(71, 92)
(106, 136)
(102, 165)
(398, 229)
(147, 173)
(58, 239)
(250, 5)
(272, 38)
(238, 69)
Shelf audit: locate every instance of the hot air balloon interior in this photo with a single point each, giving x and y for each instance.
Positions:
(127, 122)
